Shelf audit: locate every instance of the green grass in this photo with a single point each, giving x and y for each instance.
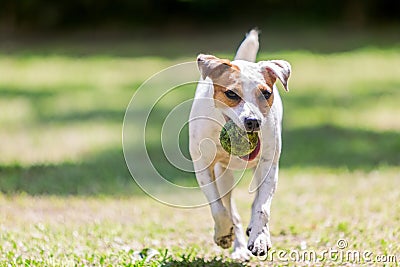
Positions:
(67, 197)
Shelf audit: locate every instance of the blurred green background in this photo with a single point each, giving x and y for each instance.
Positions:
(69, 68)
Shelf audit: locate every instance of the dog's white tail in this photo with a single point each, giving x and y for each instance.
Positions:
(249, 47)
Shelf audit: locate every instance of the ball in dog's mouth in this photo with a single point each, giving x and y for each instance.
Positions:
(238, 142)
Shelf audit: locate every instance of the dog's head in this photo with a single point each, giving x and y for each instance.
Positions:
(243, 90)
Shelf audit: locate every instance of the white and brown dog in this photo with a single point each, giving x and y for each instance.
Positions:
(245, 92)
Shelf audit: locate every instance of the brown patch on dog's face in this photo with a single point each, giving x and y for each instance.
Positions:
(227, 81)
(225, 77)
(265, 92)
(265, 97)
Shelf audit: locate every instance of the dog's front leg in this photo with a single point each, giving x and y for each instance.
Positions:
(259, 237)
(225, 183)
(223, 228)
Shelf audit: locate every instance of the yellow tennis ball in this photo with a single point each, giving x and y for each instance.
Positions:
(237, 141)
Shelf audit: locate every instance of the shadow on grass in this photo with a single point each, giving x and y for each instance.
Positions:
(335, 147)
(105, 173)
(102, 174)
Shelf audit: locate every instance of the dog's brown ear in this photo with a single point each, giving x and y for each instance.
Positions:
(273, 69)
(211, 66)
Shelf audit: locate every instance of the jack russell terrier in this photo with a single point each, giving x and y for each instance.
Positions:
(245, 92)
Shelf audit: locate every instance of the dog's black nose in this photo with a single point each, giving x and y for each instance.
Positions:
(251, 124)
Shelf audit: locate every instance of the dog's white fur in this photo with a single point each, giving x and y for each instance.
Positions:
(214, 166)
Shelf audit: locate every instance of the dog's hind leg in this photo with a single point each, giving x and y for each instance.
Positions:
(225, 182)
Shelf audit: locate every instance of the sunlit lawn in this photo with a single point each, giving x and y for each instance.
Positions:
(67, 195)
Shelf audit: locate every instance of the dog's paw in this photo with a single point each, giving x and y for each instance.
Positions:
(260, 245)
(241, 254)
(225, 241)
(224, 233)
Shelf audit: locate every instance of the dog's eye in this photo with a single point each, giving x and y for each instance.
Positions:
(266, 94)
(232, 95)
